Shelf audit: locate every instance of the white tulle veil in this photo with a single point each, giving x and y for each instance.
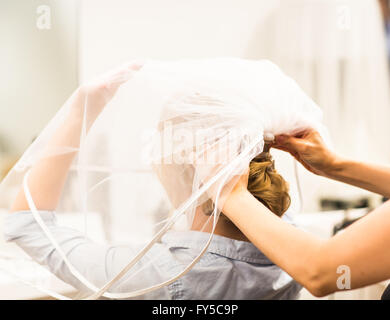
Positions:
(174, 136)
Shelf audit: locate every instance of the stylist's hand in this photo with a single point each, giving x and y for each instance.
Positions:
(234, 191)
(310, 150)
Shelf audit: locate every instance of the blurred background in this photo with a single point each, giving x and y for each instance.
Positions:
(337, 50)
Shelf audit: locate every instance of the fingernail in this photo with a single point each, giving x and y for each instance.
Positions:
(281, 138)
(137, 65)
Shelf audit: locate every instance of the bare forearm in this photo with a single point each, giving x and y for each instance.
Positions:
(47, 177)
(312, 261)
(374, 178)
(294, 250)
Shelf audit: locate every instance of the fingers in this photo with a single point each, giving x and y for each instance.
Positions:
(289, 150)
(122, 74)
(289, 143)
(136, 65)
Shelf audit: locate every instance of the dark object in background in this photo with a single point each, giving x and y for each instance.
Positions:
(345, 205)
(386, 293)
(385, 8)
(328, 204)
(346, 222)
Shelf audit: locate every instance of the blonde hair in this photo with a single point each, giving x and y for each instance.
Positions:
(268, 186)
(265, 184)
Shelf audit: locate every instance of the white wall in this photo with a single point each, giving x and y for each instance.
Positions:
(38, 68)
(119, 30)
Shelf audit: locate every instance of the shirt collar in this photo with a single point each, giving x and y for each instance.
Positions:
(229, 248)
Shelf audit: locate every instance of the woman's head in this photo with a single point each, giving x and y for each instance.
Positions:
(181, 178)
(265, 184)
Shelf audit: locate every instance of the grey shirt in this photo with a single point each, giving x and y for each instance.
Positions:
(230, 269)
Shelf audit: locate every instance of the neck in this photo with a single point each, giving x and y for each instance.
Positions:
(224, 226)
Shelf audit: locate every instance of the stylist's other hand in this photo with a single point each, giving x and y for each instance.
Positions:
(235, 190)
(310, 150)
(96, 94)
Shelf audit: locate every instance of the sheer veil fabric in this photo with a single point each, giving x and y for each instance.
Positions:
(175, 135)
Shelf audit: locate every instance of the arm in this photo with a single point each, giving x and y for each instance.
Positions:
(311, 152)
(47, 177)
(312, 261)
(374, 178)
(96, 262)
